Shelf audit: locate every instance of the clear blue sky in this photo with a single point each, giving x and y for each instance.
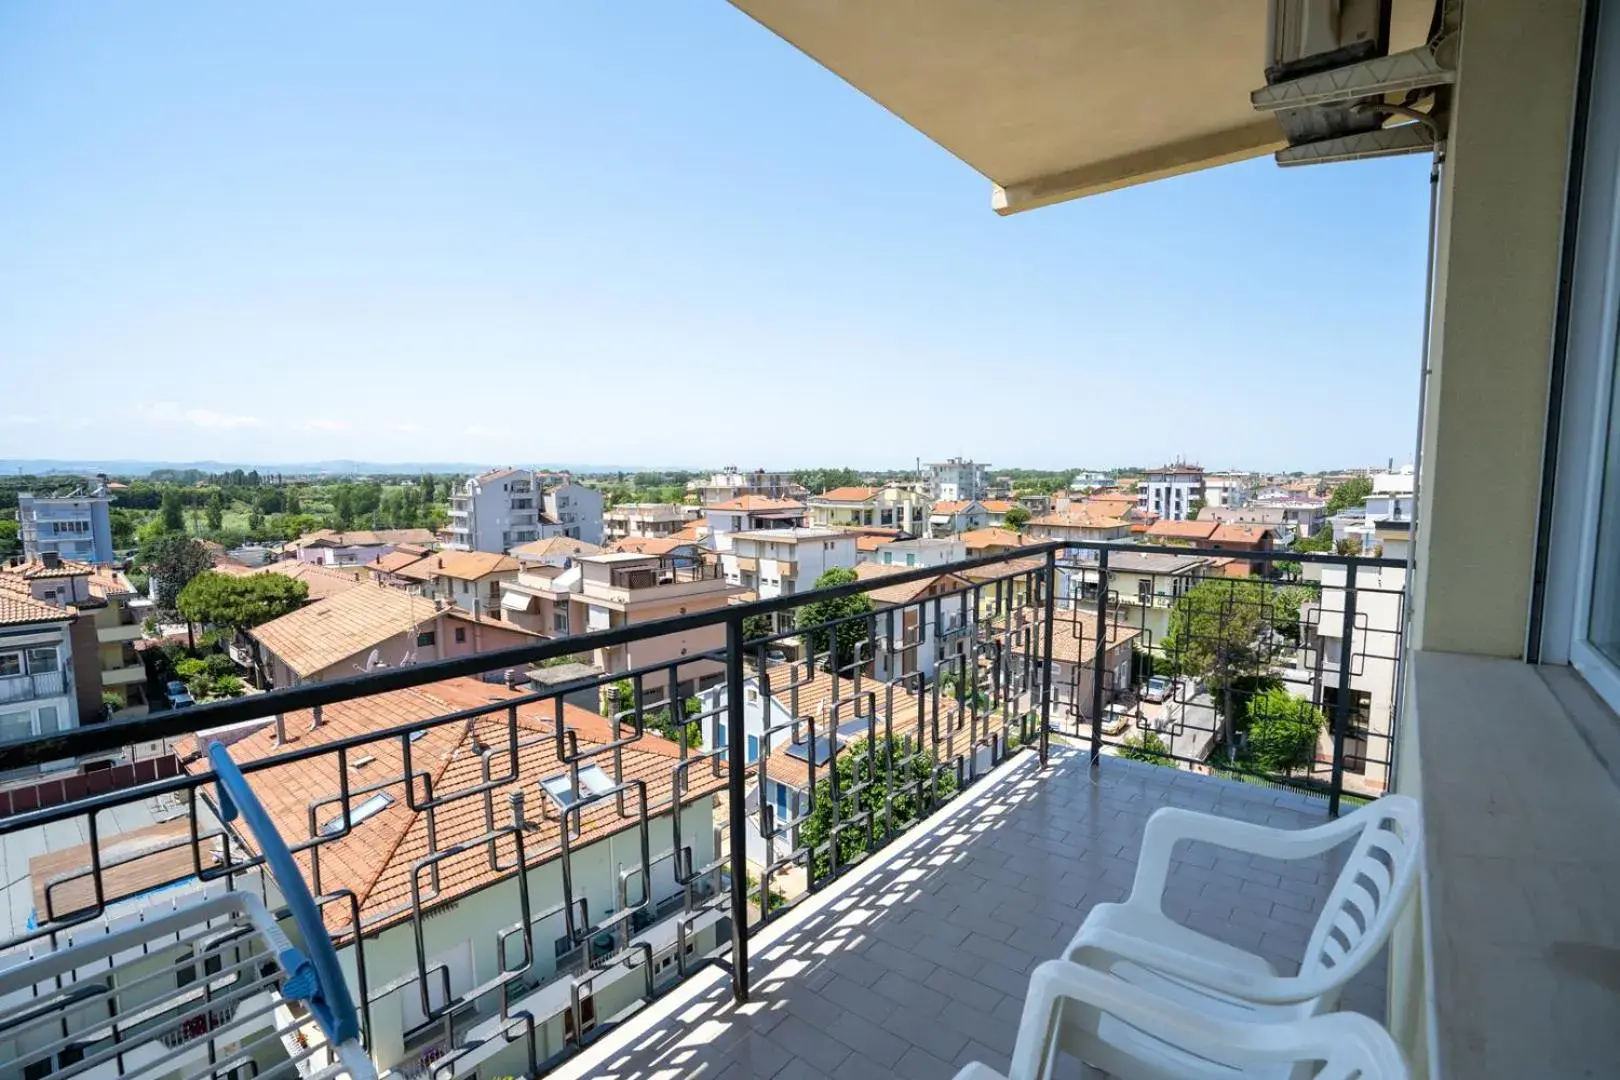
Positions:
(644, 233)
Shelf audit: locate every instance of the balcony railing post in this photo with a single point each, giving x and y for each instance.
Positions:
(1100, 657)
(1341, 703)
(736, 766)
(1046, 655)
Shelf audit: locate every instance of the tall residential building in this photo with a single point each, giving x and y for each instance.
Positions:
(75, 526)
(1227, 490)
(577, 510)
(734, 484)
(1169, 492)
(495, 511)
(957, 480)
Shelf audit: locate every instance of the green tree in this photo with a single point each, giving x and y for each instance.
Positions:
(1350, 545)
(343, 509)
(172, 560)
(1282, 732)
(215, 510)
(756, 627)
(872, 774)
(9, 544)
(1017, 518)
(292, 502)
(256, 520)
(215, 599)
(845, 637)
(174, 510)
(1353, 492)
(1321, 542)
(1146, 746)
(1223, 630)
(427, 487)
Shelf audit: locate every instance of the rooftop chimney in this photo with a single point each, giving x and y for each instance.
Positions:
(51, 559)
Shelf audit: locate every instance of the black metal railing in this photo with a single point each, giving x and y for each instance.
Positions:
(507, 868)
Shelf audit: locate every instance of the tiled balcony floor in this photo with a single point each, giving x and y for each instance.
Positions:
(918, 962)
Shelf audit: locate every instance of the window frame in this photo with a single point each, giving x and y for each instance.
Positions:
(1585, 411)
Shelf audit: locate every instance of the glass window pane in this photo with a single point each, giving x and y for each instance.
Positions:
(16, 725)
(41, 661)
(1603, 626)
(10, 664)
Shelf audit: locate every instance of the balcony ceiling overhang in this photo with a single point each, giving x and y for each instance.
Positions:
(1058, 99)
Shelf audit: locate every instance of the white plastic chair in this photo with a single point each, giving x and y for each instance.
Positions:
(1138, 943)
(1137, 1035)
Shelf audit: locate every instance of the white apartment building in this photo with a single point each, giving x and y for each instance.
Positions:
(1089, 481)
(957, 480)
(781, 562)
(923, 551)
(74, 526)
(892, 506)
(38, 681)
(1375, 647)
(495, 511)
(733, 483)
(1142, 588)
(1227, 490)
(1170, 492)
(748, 512)
(577, 511)
(654, 520)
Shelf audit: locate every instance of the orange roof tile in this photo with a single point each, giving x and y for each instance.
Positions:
(909, 591)
(467, 565)
(872, 543)
(378, 856)
(1078, 517)
(323, 582)
(35, 569)
(951, 506)
(553, 547)
(1240, 534)
(318, 636)
(394, 561)
(998, 506)
(1181, 530)
(849, 494)
(18, 606)
(757, 502)
(979, 539)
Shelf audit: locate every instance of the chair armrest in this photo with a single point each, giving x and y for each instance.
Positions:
(1213, 975)
(1353, 1040)
(1170, 824)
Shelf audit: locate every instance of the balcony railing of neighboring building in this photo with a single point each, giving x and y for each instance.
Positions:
(480, 783)
(28, 687)
(667, 570)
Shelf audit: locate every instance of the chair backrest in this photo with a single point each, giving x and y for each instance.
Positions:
(1372, 888)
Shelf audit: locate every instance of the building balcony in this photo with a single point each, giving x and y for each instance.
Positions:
(112, 635)
(16, 688)
(598, 888)
(123, 676)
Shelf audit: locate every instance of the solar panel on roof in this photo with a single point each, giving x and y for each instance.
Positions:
(801, 750)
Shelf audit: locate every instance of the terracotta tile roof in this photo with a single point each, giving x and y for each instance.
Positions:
(1074, 634)
(1181, 530)
(18, 606)
(35, 569)
(979, 539)
(107, 583)
(998, 506)
(364, 537)
(553, 547)
(324, 582)
(693, 533)
(909, 591)
(1240, 534)
(848, 494)
(649, 545)
(951, 507)
(1004, 569)
(394, 561)
(467, 565)
(1078, 517)
(756, 503)
(959, 730)
(872, 543)
(314, 638)
(376, 858)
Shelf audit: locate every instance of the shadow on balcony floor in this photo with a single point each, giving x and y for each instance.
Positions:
(918, 962)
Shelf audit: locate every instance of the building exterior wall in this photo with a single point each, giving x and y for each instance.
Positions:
(956, 479)
(577, 510)
(921, 552)
(1170, 493)
(495, 511)
(43, 696)
(76, 527)
(464, 936)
